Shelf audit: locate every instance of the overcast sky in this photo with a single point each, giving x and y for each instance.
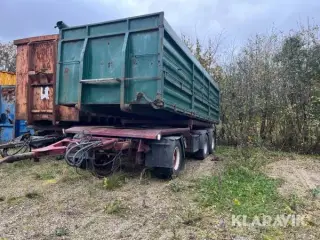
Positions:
(237, 19)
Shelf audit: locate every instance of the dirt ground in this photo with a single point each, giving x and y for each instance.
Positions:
(49, 200)
(301, 181)
(301, 175)
(75, 208)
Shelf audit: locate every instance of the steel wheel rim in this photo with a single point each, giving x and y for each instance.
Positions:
(176, 158)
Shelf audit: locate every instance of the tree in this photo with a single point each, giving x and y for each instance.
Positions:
(270, 90)
(8, 54)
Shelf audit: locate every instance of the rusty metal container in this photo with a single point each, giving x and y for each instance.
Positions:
(36, 77)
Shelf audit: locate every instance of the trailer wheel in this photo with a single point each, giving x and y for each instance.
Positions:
(177, 164)
(204, 151)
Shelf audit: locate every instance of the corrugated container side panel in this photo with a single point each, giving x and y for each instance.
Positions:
(42, 81)
(100, 48)
(69, 72)
(103, 60)
(143, 65)
(143, 58)
(188, 88)
(22, 81)
(43, 56)
(177, 84)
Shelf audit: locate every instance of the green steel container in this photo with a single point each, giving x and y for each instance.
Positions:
(136, 67)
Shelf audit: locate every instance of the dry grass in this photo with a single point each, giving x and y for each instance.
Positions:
(40, 199)
(49, 200)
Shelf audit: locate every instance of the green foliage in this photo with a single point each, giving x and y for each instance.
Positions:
(47, 175)
(59, 172)
(176, 186)
(270, 90)
(114, 207)
(72, 175)
(241, 192)
(61, 231)
(23, 165)
(114, 181)
(316, 192)
(14, 200)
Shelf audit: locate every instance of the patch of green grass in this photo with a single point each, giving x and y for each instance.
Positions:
(24, 165)
(241, 192)
(241, 188)
(253, 158)
(271, 233)
(18, 199)
(223, 150)
(114, 207)
(114, 181)
(44, 175)
(316, 192)
(61, 231)
(71, 175)
(14, 200)
(48, 171)
(59, 171)
(294, 204)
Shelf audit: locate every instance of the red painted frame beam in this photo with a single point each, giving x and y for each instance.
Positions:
(126, 132)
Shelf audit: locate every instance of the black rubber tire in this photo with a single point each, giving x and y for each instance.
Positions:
(204, 151)
(212, 144)
(169, 173)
